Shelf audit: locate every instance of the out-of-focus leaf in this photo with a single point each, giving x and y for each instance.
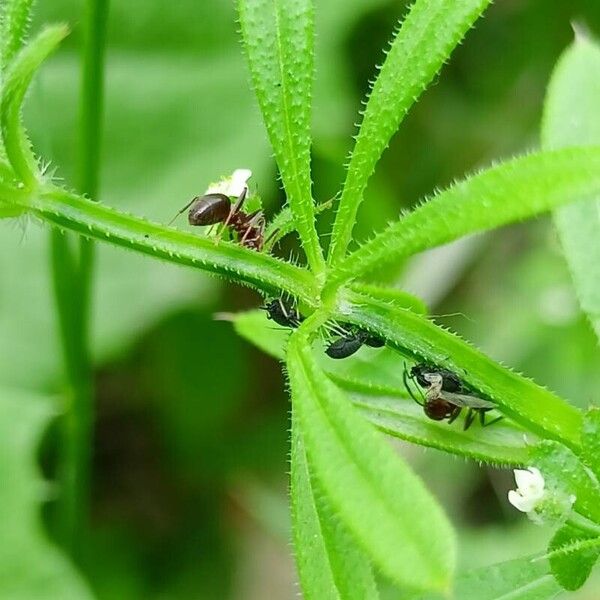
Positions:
(521, 579)
(30, 567)
(429, 33)
(572, 569)
(563, 471)
(384, 505)
(329, 563)
(511, 191)
(571, 118)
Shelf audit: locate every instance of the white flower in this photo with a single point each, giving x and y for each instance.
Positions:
(530, 489)
(231, 186)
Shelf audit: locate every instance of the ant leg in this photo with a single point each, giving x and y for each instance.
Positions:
(454, 414)
(254, 221)
(471, 414)
(232, 211)
(483, 424)
(406, 377)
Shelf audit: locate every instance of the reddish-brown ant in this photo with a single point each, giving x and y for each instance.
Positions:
(214, 208)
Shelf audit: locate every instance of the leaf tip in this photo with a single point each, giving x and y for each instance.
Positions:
(581, 32)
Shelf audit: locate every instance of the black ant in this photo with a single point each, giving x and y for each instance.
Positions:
(283, 312)
(445, 395)
(347, 345)
(215, 207)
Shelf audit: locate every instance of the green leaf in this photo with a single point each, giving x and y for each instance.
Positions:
(229, 259)
(17, 80)
(521, 399)
(501, 444)
(590, 440)
(571, 118)
(30, 567)
(397, 297)
(279, 41)
(525, 578)
(15, 17)
(572, 568)
(563, 471)
(429, 33)
(514, 190)
(329, 563)
(384, 505)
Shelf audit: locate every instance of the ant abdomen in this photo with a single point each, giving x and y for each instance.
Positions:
(209, 209)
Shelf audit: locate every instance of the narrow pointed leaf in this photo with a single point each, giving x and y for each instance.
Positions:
(528, 404)
(572, 568)
(501, 444)
(429, 33)
(279, 41)
(330, 564)
(385, 506)
(15, 17)
(17, 80)
(511, 191)
(571, 118)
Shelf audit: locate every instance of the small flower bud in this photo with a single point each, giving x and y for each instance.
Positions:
(231, 186)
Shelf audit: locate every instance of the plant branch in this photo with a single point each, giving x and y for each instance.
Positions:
(94, 220)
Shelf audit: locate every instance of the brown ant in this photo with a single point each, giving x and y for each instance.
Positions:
(216, 207)
(445, 395)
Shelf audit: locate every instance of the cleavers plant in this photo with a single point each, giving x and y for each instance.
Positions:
(358, 510)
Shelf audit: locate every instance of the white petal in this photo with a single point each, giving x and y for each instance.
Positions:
(231, 186)
(519, 502)
(238, 181)
(530, 482)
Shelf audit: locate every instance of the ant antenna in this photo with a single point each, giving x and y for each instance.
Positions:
(454, 314)
(181, 211)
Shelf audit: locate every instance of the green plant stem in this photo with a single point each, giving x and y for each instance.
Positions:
(72, 272)
(94, 220)
(76, 423)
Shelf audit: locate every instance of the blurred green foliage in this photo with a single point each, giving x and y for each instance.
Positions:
(191, 436)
